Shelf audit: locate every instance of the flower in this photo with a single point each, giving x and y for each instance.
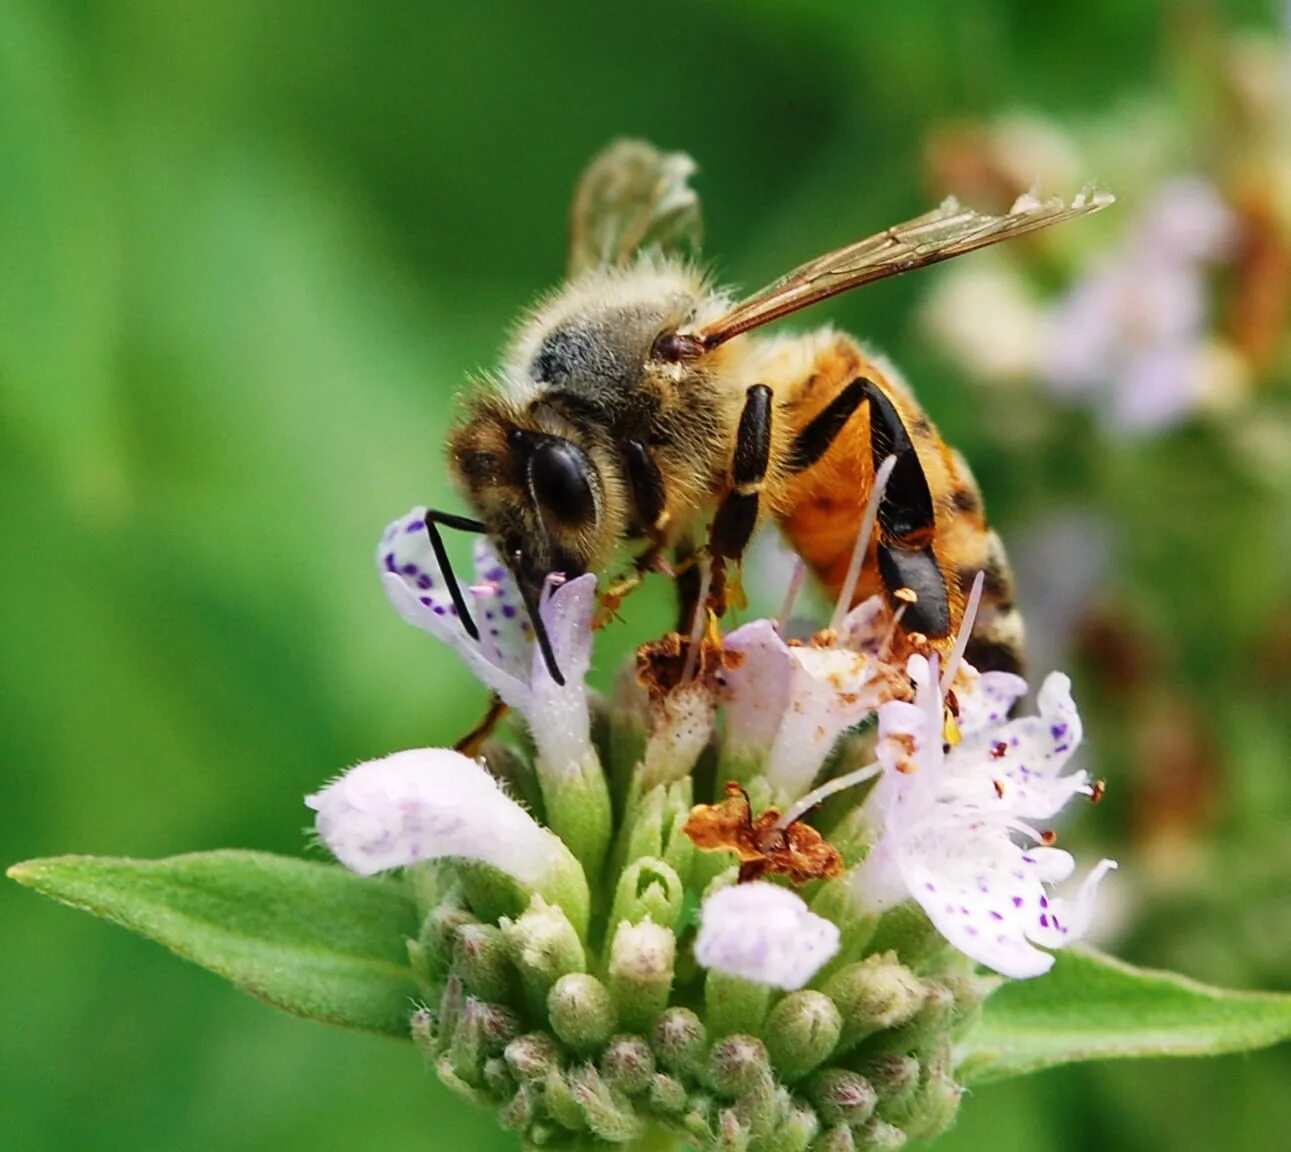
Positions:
(787, 703)
(766, 934)
(504, 656)
(945, 816)
(435, 803)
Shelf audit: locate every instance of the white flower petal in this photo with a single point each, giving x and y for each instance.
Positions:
(830, 691)
(764, 933)
(985, 698)
(558, 715)
(430, 803)
(756, 690)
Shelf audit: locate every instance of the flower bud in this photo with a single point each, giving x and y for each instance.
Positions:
(879, 1136)
(801, 1032)
(459, 1087)
(520, 1110)
(872, 995)
(732, 1133)
(543, 946)
(483, 1030)
(680, 1041)
(894, 1077)
(628, 1064)
(497, 1077)
(842, 1097)
(423, 1028)
(648, 889)
(581, 1011)
(531, 1056)
(609, 1115)
(640, 971)
(558, 1095)
(797, 1129)
(480, 958)
(433, 950)
(666, 1094)
(738, 1064)
(836, 1139)
(927, 1027)
(699, 1120)
(936, 1101)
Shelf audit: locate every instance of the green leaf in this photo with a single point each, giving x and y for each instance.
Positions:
(310, 938)
(1092, 1007)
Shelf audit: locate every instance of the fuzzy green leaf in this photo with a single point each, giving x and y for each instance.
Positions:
(310, 938)
(1092, 1007)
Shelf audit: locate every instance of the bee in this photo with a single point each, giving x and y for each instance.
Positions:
(638, 402)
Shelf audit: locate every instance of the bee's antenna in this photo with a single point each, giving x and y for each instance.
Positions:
(540, 633)
(464, 524)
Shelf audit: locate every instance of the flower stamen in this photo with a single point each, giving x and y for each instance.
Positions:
(965, 632)
(848, 589)
(818, 795)
(791, 593)
(700, 622)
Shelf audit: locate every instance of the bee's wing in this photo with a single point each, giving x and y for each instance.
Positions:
(949, 230)
(632, 197)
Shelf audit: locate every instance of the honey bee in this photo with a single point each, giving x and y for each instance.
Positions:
(635, 404)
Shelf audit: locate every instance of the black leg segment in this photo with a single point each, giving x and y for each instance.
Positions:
(907, 507)
(919, 571)
(753, 440)
(813, 441)
(433, 520)
(733, 525)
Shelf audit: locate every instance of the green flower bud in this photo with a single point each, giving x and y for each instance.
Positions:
(516, 773)
(628, 1064)
(875, 994)
(680, 1041)
(531, 1056)
(609, 1114)
(497, 1077)
(796, 1130)
(459, 1087)
(543, 946)
(581, 1012)
(648, 889)
(879, 1136)
(732, 1004)
(521, 1109)
(700, 1118)
(452, 1003)
(836, 1139)
(558, 1095)
(926, 1028)
(936, 1101)
(842, 1097)
(732, 1134)
(801, 1032)
(894, 1077)
(640, 972)
(739, 1064)
(482, 1030)
(480, 959)
(666, 1094)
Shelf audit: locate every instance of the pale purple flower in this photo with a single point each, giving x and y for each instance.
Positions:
(787, 703)
(1132, 334)
(764, 933)
(505, 657)
(427, 804)
(952, 821)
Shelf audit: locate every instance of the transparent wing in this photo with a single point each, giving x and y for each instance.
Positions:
(630, 198)
(948, 231)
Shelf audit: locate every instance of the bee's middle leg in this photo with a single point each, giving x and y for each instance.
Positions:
(737, 514)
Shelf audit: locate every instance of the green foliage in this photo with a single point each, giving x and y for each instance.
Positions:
(1092, 1007)
(312, 939)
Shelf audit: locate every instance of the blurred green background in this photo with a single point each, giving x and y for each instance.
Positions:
(249, 253)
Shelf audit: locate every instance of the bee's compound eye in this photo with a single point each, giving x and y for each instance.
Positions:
(560, 478)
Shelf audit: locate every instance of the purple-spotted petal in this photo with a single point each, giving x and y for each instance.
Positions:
(764, 933)
(426, 804)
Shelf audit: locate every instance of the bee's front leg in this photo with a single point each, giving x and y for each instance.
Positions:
(737, 514)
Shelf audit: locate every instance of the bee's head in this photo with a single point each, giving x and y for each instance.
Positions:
(539, 493)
